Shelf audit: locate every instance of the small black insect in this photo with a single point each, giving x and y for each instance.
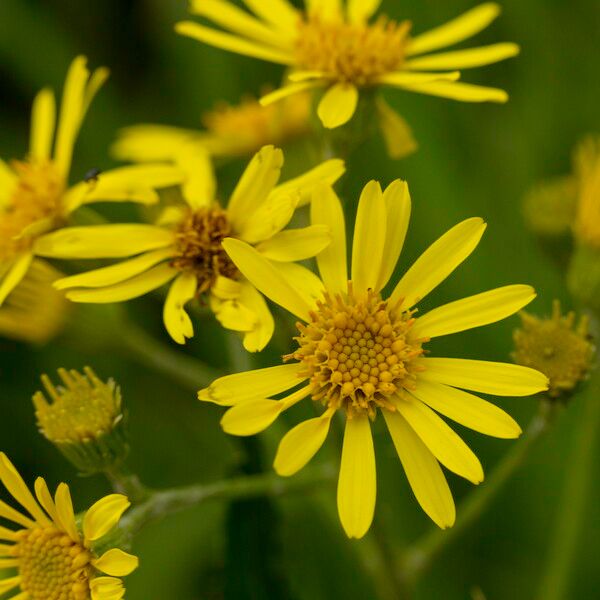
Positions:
(92, 175)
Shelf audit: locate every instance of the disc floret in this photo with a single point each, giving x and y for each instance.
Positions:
(358, 352)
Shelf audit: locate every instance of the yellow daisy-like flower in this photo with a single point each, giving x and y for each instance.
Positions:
(34, 193)
(230, 130)
(336, 47)
(53, 559)
(185, 246)
(359, 352)
(34, 312)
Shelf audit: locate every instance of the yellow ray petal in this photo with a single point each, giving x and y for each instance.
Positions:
(103, 241)
(474, 311)
(269, 218)
(45, 499)
(404, 79)
(233, 315)
(17, 488)
(369, 238)
(327, 172)
(438, 261)
(237, 21)
(397, 134)
(463, 92)
(8, 584)
(301, 443)
(499, 379)
(307, 285)
(83, 193)
(147, 175)
(7, 535)
(127, 290)
(250, 385)
(296, 244)
(107, 588)
(443, 442)
(326, 209)
(396, 198)
(253, 188)
(279, 13)
(200, 186)
(226, 289)
(360, 11)
(298, 76)
(176, 320)
(14, 275)
(117, 563)
(233, 43)
(262, 332)
(468, 410)
(115, 273)
(289, 90)
(8, 181)
(357, 485)
(338, 105)
(43, 120)
(104, 516)
(464, 59)
(422, 470)
(326, 9)
(265, 277)
(10, 514)
(65, 512)
(461, 28)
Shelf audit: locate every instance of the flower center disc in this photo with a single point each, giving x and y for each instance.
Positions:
(351, 53)
(36, 196)
(198, 242)
(51, 565)
(358, 353)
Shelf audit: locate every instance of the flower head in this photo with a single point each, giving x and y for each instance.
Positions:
(52, 557)
(185, 246)
(35, 197)
(342, 50)
(230, 130)
(362, 353)
(557, 347)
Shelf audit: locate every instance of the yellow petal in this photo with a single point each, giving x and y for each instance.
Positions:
(265, 277)
(115, 273)
(464, 59)
(443, 442)
(397, 134)
(262, 332)
(148, 142)
(325, 9)
(296, 244)
(279, 13)
(357, 485)
(369, 238)
(337, 105)
(8, 584)
(17, 488)
(303, 186)
(499, 379)
(326, 209)
(422, 471)
(298, 76)
(360, 11)
(104, 516)
(253, 188)
(8, 181)
(438, 261)
(117, 563)
(463, 92)
(252, 417)
(148, 175)
(468, 410)
(289, 90)
(307, 285)
(463, 27)
(65, 512)
(259, 383)
(268, 219)
(14, 275)
(127, 290)
(301, 443)
(8, 535)
(45, 498)
(103, 241)
(397, 205)
(10, 514)
(226, 289)
(200, 185)
(404, 79)
(233, 43)
(176, 320)
(474, 311)
(107, 588)
(233, 315)
(43, 119)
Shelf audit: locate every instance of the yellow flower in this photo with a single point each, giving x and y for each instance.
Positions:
(337, 48)
(34, 193)
(185, 246)
(34, 312)
(359, 352)
(239, 130)
(53, 559)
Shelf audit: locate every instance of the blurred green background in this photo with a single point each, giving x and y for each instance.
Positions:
(473, 160)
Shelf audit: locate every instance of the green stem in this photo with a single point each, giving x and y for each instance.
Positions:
(127, 483)
(572, 507)
(421, 555)
(166, 502)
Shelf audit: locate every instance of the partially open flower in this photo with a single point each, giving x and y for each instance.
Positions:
(83, 418)
(556, 346)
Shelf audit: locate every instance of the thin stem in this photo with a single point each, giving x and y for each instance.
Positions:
(572, 508)
(421, 555)
(166, 502)
(127, 483)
